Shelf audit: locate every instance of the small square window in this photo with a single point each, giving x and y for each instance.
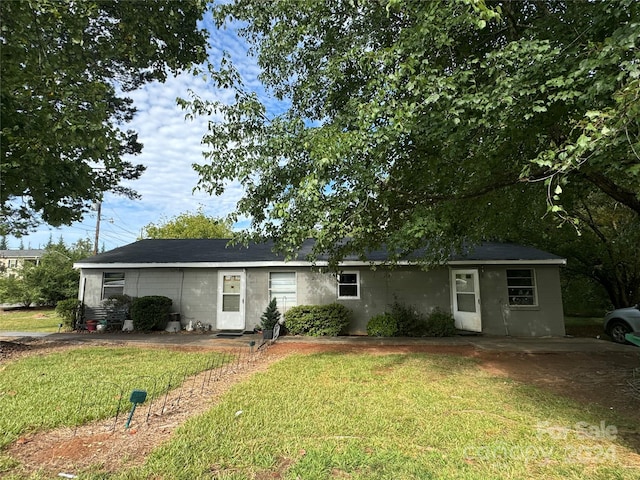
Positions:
(348, 285)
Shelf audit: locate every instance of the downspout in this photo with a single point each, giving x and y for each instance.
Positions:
(181, 290)
(81, 311)
(244, 305)
(505, 316)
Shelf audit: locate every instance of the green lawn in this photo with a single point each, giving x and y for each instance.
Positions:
(43, 320)
(356, 416)
(391, 417)
(47, 391)
(585, 327)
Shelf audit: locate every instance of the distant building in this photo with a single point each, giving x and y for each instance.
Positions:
(11, 261)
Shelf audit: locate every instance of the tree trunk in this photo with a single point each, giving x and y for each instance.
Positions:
(622, 293)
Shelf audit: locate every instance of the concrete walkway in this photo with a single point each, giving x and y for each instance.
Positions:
(486, 343)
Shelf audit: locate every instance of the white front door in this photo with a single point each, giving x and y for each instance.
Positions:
(231, 290)
(466, 300)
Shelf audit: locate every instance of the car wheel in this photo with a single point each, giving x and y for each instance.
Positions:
(618, 330)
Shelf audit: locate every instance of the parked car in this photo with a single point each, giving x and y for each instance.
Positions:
(621, 321)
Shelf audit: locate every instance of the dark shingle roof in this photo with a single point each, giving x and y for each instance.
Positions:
(185, 251)
(493, 251)
(217, 251)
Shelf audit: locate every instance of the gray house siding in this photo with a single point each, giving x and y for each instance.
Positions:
(378, 289)
(198, 300)
(188, 272)
(194, 292)
(424, 290)
(499, 318)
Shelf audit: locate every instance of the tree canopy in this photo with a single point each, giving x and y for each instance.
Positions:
(189, 225)
(66, 68)
(418, 124)
(399, 106)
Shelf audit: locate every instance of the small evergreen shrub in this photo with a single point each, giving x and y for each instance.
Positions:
(271, 316)
(317, 320)
(68, 310)
(440, 324)
(383, 325)
(150, 313)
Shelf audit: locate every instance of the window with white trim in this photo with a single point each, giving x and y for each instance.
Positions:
(282, 287)
(521, 287)
(112, 284)
(348, 285)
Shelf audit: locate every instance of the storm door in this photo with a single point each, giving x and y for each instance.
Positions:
(466, 300)
(231, 292)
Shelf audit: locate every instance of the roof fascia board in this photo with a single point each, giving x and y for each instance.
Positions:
(560, 261)
(549, 261)
(196, 265)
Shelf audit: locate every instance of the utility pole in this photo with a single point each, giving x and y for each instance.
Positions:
(95, 245)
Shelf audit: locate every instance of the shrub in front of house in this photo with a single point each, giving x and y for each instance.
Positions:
(317, 320)
(440, 324)
(383, 325)
(410, 322)
(68, 310)
(150, 313)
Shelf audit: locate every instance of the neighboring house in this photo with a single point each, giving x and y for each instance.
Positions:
(496, 289)
(11, 261)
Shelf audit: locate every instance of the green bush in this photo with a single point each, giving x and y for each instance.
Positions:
(383, 325)
(317, 320)
(440, 324)
(410, 322)
(150, 313)
(68, 311)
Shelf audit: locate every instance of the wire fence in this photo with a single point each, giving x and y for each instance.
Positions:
(103, 405)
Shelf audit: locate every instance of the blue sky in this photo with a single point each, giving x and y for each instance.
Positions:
(171, 145)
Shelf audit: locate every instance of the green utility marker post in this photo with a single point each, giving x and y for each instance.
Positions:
(137, 396)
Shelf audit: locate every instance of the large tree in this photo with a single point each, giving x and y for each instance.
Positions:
(425, 124)
(605, 250)
(66, 68)
(189, 225)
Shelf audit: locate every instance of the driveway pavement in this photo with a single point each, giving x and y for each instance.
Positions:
(486, 343)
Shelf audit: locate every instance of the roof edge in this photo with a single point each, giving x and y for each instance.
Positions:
(298, 263)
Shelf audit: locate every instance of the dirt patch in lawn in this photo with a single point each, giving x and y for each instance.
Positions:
(603, 379)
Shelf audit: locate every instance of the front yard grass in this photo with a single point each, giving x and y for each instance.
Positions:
(591, 327)
(72, 387)
(411, 416)
(41, 320)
